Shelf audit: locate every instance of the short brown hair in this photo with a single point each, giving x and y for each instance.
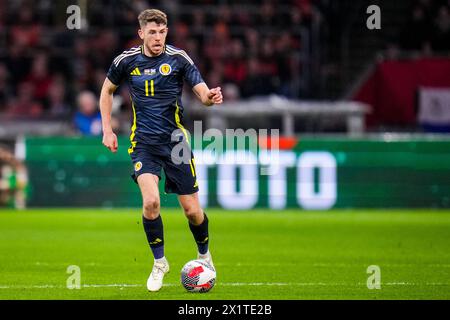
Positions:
(152, 15)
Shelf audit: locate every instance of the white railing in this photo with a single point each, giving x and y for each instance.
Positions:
(353, 113)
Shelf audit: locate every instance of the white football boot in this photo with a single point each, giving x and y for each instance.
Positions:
(207, 258)
(155, 280)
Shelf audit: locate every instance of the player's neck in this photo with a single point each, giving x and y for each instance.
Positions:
(149, 54)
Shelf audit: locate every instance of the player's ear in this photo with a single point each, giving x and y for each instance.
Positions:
(141, 34)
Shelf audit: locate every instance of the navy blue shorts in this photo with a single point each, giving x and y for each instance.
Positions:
(181, 177)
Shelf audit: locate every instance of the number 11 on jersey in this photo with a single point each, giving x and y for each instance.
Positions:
(152, 88)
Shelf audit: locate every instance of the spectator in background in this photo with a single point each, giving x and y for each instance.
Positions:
(18, 63)
(257, 83)
(252, 40)
(307, 12)
(441, 39)
(2, 14)
(25, 31)
(418, 30)
(267, 19)
(286, 68)
(25, 105)
(231, 92)
(181, 33)
(197, 25)
(215, 75)
(103, 48)
(235, 69)
(267, 62)
(81, 66)
(95, 80)
(58, 108)
(5, 88)
(87, 119)
(40, 78)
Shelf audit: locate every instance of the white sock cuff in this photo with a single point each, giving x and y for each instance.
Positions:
(163, 259)
(204, 255)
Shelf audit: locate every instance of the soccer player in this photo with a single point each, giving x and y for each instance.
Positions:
(155, 72)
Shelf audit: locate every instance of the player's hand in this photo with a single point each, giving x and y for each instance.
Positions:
(215, 95)
(110, 141)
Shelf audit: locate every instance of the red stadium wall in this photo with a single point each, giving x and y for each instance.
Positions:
(392, 88)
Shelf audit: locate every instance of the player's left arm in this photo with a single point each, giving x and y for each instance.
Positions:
(208, 96)
(191, 74)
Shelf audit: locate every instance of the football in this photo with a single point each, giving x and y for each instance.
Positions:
(198, 276)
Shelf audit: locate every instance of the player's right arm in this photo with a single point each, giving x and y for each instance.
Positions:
(116, 74)
(106, 101)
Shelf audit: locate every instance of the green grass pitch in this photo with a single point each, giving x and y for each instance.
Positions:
(289, 254)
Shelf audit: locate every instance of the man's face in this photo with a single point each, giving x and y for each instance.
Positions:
(154, 36)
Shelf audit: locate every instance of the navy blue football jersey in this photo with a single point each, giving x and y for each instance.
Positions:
(156, 84)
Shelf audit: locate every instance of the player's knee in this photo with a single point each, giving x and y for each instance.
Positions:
(194, 214)
(151, 207)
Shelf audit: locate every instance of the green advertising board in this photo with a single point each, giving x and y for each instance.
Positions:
(314, 173)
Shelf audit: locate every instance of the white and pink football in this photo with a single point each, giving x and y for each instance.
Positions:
(198, 276)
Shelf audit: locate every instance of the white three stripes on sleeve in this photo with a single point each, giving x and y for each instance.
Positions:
(171, 51)
(125, 54)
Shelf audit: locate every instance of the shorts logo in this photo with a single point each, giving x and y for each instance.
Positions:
(137, 166)
(165, 69)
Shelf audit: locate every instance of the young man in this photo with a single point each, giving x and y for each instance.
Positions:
(155, 72)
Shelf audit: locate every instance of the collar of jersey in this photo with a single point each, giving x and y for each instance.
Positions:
(153, 58)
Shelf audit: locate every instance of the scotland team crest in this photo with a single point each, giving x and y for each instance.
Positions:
(165, 69)
(138, 166)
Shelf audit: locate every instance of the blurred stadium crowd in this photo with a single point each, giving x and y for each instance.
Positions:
(48, 70)
(254, 49)
(428, 27)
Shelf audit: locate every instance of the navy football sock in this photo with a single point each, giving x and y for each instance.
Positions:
(201, 235)
(155, 235)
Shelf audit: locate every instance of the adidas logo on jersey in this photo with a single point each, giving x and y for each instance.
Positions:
(135, 72)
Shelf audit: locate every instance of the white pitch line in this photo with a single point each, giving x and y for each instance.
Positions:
(278, 264)
(110, 285)
(227, 284)
(333, 265)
